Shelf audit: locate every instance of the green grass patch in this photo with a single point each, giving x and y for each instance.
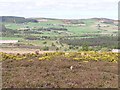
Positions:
(10, 38)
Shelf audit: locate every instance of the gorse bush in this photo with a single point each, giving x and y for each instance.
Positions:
(84, 56)
(45, 48)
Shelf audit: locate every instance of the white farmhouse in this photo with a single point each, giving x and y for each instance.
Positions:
(116, 50)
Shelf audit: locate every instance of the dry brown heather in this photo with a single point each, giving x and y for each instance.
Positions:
(56, 73)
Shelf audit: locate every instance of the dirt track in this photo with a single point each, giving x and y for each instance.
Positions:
(21, 50)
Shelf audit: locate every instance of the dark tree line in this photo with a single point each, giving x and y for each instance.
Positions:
(104, 41)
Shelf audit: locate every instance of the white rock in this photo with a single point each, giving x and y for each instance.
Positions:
(71, 67)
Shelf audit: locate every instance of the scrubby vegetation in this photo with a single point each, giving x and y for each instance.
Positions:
(109, 42)
(79, 56)
(48, 70)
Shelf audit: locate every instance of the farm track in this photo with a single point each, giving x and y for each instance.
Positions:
(22, 50)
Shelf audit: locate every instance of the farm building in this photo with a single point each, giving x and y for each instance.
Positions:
(102, 25)
(82, 24)
(24, 29)
(8, 41)
(42, 20)
(116, 22)
(116, 50)
(107, 21)
(67, 21)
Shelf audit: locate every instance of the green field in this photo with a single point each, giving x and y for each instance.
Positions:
(52, 30)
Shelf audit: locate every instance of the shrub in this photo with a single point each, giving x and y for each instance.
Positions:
(45, 48)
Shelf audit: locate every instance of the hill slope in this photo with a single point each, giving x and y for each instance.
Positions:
(14, 19)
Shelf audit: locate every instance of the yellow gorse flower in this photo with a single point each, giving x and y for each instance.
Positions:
(78, 56)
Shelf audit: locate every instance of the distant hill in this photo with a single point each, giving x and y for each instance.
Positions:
(105, 20)
(14, 19)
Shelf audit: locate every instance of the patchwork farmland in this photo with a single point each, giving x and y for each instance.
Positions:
(59, 53)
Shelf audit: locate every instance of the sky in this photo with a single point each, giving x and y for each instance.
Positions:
(63, 9)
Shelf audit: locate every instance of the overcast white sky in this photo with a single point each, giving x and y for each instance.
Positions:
(60, 8)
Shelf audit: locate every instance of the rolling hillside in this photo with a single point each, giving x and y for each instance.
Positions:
(59, 34)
